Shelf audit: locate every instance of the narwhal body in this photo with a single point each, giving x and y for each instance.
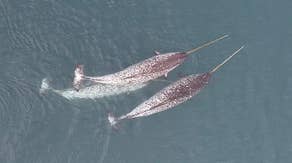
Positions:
(171, 96)
(146, 70)
(94, 91)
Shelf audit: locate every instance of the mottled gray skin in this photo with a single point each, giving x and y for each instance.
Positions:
(172, 95)
(91, 92)
(149, 69)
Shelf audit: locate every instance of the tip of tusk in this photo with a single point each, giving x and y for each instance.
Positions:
(225, 36)
(227, 59)
(243, 46)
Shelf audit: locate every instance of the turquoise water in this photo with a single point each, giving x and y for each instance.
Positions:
(244, 115)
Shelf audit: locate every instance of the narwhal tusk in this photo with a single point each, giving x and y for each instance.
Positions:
(206, 44)
(226, 60)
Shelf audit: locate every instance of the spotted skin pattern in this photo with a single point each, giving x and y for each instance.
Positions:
(171, 96)
(144, 71)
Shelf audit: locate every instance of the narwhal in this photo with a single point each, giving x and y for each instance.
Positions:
(143, 71)
(172, 95)
(93, 91)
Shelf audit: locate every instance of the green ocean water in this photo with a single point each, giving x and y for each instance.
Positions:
(243, 116)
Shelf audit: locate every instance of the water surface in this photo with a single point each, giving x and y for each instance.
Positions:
(244, 115)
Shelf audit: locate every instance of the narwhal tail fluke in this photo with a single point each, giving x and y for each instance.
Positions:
(112, 119)
(226, 60)
(206, 44)
(45, 86)
(78, 77)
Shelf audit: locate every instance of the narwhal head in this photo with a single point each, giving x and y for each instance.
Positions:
(176, 59)
(205, 77)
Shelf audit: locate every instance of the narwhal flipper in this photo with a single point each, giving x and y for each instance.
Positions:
(156, 52)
